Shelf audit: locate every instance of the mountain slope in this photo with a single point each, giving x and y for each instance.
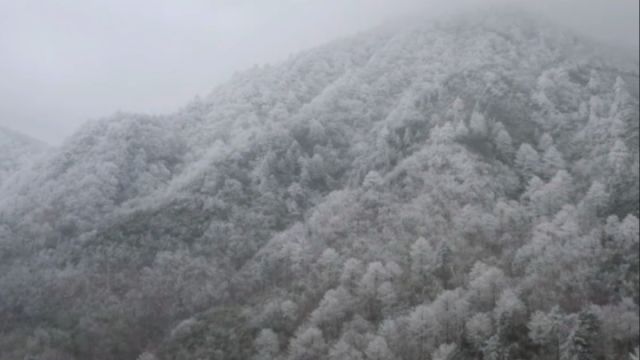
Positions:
(15, 152)
(463, 187)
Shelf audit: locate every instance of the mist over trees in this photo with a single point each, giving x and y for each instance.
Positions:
(460, 190)
(16, 152)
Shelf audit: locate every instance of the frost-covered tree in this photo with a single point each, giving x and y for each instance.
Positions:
(267, 345)
(478, 124)
(443, 264)
(582, 342)
(331, 311)
(420, 323)
(344, 351)
(377, 349)
(509, 312)
(545, 142)
(624, 106)
(552, 161)
(352, 271)
(548, 199)
(486, 283)
(620, 328)
(504, 143)
(450, 311)
(457, 110)
(548, 330)
(328, 267)
(373, 180)
(494, 349)
(528, 160)
(308, 345)
(618, 158)
(422, 258)
(369, 289)
(444, 352)
(479, 329)
(460, 132)
(593, 203)
(147, 356)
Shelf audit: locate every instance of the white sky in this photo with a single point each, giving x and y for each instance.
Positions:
(65, 61)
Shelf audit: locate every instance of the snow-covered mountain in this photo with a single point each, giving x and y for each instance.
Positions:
(462, 189)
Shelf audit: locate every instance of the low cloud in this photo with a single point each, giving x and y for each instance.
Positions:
(64, 62)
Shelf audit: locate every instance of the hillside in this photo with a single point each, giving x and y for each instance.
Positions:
(463, 189)
(16, 151)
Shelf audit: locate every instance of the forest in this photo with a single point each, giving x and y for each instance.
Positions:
(464, 189)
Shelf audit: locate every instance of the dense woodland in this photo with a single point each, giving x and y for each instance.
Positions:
(466, 189)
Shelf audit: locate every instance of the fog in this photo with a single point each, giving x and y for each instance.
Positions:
(66, 61)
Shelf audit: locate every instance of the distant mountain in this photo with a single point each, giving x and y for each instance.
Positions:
(463, 189)
(15, 151)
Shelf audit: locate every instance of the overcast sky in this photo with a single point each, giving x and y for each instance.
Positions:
(65, 61)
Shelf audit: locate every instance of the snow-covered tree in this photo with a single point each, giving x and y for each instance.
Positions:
(552, 161)
(377, 349)
(618, 158)
(267, 345)
(332, 310)
(545, 142)
(369, 289)
(308, 345)
(352, 271)
(593, 203)
(504, 143)
(422, 258)
(548, 330)
(486, 283)
(582, 342)
(528, 160)
(444, 352)
(344, 351)
(479, 329)
(478, 124)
